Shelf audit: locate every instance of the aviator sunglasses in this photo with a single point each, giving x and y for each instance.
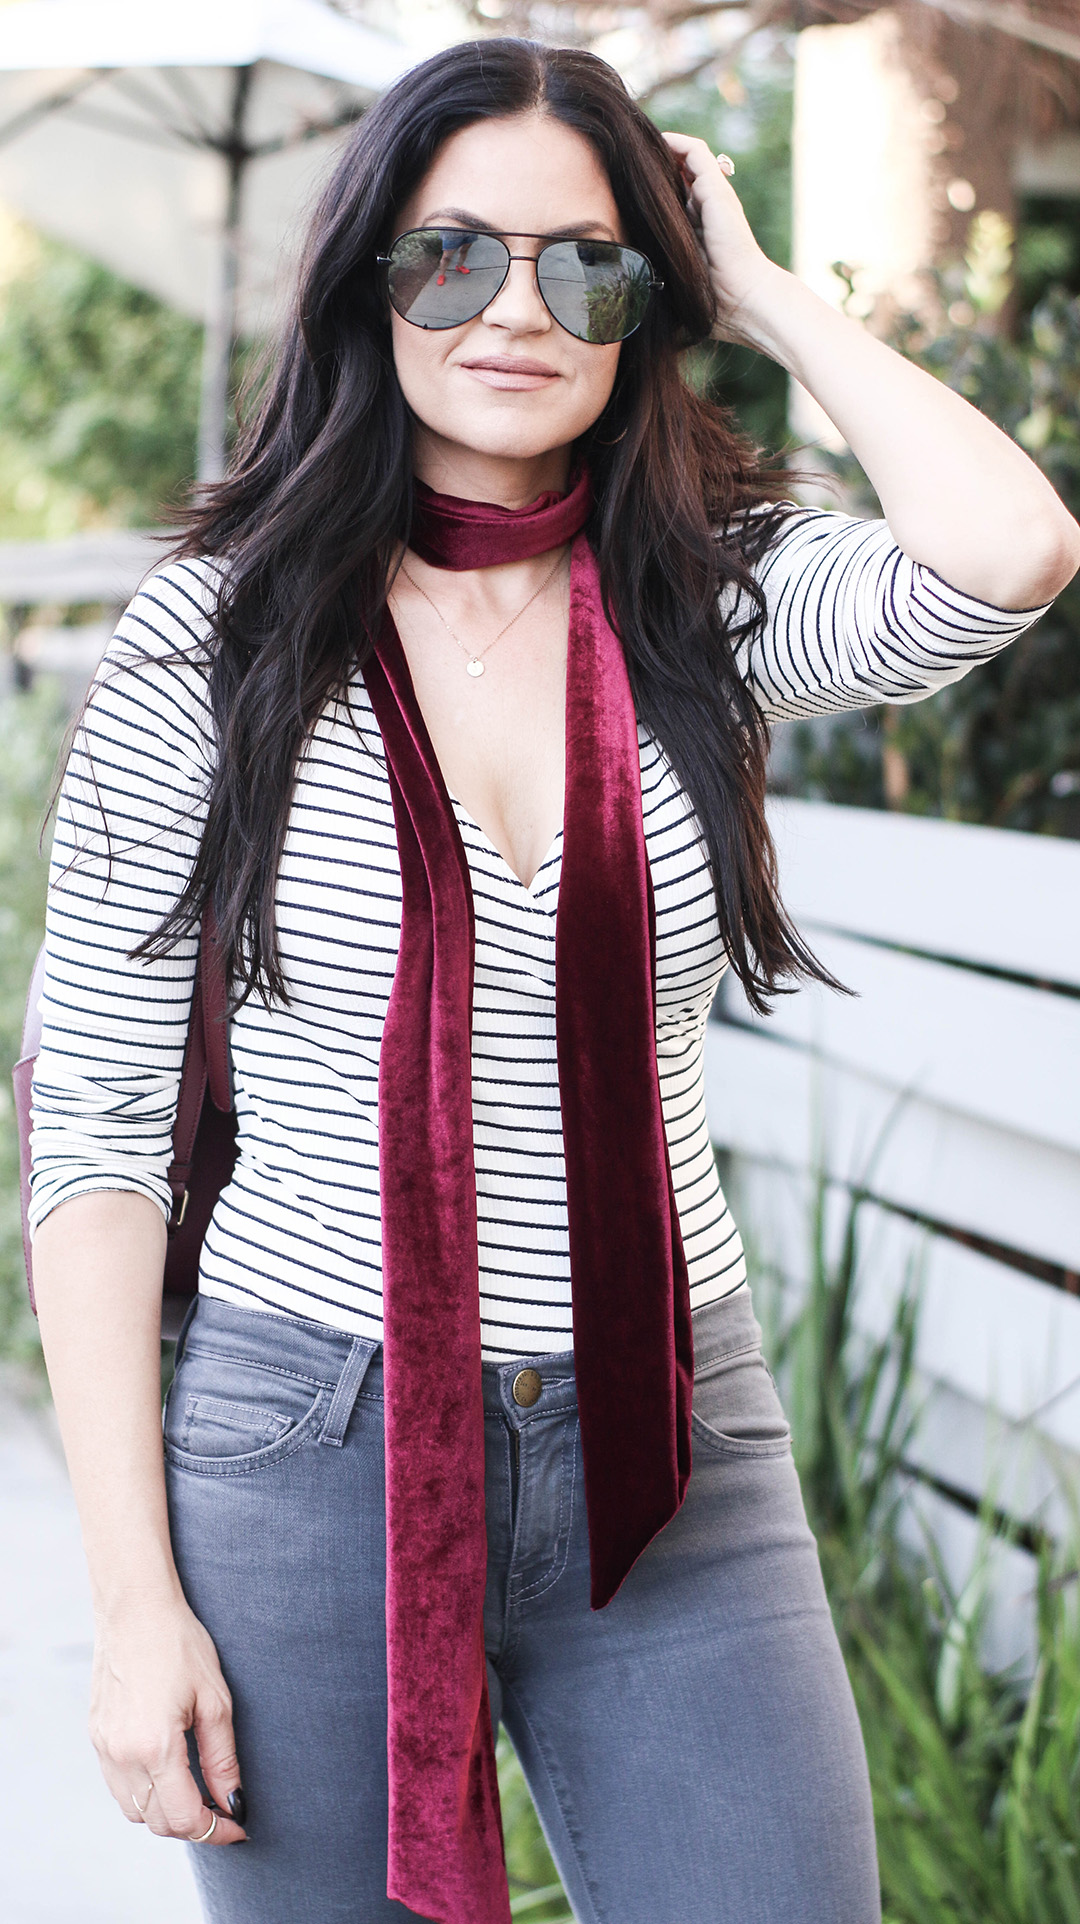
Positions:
(442, 276)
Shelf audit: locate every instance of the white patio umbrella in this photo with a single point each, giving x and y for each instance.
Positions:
(179, 140)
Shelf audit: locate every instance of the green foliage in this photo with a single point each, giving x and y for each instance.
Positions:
(849, 1404)
(535, 1890)
(751, 121)
(1002, 746)
(99, 383)
(975, 1787)
(31, 728)
(975, 1777)
(1047, 248)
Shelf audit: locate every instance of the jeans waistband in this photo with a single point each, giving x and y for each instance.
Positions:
(338, 1361)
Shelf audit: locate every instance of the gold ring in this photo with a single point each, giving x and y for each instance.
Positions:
(206, 1833)
(726, 164)
(142, 1808)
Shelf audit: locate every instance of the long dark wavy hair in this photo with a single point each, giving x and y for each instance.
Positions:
(310, 522)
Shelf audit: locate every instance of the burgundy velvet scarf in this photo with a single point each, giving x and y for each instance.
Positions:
(632, 1335)
(451, 533)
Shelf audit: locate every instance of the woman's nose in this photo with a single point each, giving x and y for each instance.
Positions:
(518, 305)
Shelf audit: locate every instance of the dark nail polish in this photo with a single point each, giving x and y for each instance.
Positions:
(238, 1805)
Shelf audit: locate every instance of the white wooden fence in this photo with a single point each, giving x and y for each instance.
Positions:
(951, 1084)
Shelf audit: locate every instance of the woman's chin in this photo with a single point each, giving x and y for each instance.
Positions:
(507, 441)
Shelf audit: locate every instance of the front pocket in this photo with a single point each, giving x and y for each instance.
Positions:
(213, 1427)
(228, 1414)
(736, 1410)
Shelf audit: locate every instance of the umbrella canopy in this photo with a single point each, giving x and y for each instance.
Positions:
(180, 144)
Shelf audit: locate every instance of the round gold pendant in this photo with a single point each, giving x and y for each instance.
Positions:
(475, 666)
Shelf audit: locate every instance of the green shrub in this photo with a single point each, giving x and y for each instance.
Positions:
(1001, 747)
(975, 1780)
(99, 384)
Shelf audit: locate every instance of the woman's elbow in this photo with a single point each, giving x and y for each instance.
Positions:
(1050, 557)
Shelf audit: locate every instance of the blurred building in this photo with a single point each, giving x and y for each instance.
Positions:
(911, 119)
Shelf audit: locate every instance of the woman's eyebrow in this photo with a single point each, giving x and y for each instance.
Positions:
(473, 224)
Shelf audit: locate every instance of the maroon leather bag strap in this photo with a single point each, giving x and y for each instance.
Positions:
(206, 1063)
(215, 1013)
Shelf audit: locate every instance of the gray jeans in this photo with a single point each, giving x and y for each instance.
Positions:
(693, 1749)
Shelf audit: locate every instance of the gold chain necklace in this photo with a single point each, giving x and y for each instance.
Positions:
(474, 663)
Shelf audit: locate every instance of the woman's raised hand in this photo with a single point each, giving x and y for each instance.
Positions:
(958, 495)
(735, 261)
(156, 1676)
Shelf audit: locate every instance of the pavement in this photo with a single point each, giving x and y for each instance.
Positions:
(67, 1856)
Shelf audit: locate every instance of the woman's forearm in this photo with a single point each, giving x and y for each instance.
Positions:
(958, 494)
(98, 1263)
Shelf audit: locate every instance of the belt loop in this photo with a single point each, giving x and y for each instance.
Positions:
(348, 1389)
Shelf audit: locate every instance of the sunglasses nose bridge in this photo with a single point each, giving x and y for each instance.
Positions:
(517, 266)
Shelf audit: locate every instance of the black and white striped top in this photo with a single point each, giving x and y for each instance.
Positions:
(851, 621)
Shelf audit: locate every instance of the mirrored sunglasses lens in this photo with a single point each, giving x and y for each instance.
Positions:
(441, 277)
(595, 289)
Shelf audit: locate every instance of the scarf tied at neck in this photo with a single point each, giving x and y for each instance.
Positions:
(631, 1315)
(456, 534)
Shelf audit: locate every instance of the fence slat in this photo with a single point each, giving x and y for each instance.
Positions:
(1000, 1051)
(967, 1302)
(982, 895)
(774, 1102)
(989, 1459)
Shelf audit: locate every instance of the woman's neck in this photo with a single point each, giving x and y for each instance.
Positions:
(507, 481)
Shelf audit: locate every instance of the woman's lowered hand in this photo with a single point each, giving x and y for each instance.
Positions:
(156, 1676)
(98, 1261)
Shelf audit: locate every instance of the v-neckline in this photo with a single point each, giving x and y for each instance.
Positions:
(527, 888)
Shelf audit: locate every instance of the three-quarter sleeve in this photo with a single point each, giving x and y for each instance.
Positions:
(851, 621)
(129, 822)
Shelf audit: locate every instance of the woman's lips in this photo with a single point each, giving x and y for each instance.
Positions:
(506, 371)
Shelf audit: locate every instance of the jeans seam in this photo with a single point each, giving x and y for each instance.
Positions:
(498, 1656)
(569, 1832)
(272, 1420)
(734, 1445)
(511, 1620)
(540, 1585)
(215, 1355)
(725, 1356)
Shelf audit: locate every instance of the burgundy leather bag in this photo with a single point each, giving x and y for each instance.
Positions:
(204, 1133)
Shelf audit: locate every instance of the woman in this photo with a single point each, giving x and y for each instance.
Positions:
(455, 706)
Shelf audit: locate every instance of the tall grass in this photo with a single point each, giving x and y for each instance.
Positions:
(975, 1772)
(535, 1891)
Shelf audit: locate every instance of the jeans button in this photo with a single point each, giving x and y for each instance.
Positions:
(527, 1387)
